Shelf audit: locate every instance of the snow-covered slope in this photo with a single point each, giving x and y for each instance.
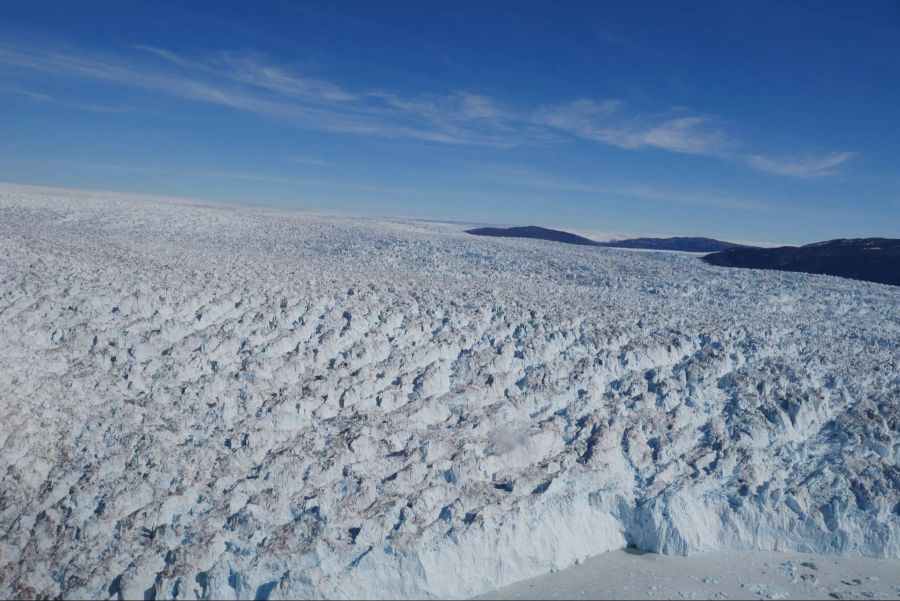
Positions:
(221, 402)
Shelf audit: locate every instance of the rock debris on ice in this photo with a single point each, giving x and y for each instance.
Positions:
(223, 402)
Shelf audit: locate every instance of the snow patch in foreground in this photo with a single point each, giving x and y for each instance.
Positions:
(630, 574)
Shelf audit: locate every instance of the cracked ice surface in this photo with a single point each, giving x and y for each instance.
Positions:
(222, 402)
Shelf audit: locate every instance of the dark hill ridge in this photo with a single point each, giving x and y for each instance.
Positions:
(868, 259)
(534, 232)
(696, 245)
(542, 233)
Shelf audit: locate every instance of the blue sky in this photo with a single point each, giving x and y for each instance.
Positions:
(761, 121)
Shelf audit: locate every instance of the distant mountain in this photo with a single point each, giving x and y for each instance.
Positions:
(696, 245)
(869, 259)
(533, 232)
(542, 233)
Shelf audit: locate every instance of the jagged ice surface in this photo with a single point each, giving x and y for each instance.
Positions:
(223, 402)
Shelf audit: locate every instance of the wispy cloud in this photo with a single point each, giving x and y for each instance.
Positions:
(310, 161)
(528, 178)
(47, 98)
(512, 176)
(609, 122)
(709, 199)
(800, 166)
(245, 82)
(27, 93)
(251, 70)
(250, 83)
(217, 174)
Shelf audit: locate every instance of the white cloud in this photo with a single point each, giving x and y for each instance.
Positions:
(800, 166)
(248, 82)
(690, 135)
(610, 123)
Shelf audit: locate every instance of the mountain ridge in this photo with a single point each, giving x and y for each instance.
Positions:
(679, 243)
(867, 259)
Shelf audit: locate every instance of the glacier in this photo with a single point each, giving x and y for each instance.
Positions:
(213, 401)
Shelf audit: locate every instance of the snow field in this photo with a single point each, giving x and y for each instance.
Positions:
(236, 403)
